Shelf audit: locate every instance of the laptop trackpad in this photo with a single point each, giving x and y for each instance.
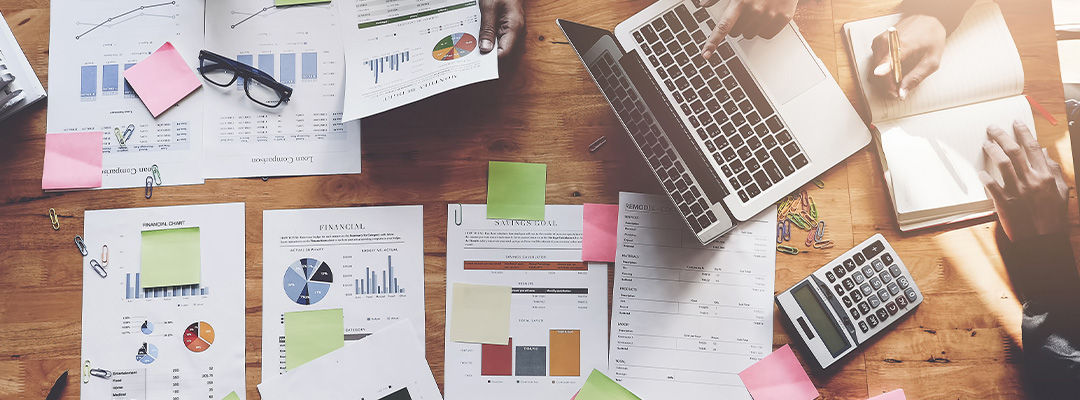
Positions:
(783, 65)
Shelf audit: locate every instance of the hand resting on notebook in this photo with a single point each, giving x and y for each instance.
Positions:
(748, 18)
(1032, 197)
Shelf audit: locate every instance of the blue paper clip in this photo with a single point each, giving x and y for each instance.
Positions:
(787, 230)
(821, 230)
(81, 245)
(780, 232)
(149, 186)
(128, 132)
(96, 266)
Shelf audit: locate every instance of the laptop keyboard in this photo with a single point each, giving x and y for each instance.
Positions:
(658, 150)
(726, 108)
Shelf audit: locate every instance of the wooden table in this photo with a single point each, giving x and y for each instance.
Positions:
(963, 342)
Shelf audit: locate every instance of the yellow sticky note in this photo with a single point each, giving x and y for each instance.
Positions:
(232, 396)
(480, 314)
(170, 257)
(516, 191)
(312, 334)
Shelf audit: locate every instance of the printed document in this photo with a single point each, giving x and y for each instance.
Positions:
(401, 51)
(166, 342)
(299, 46)
(93, 42)
(687, 318)
(388, 365)
(368, 261)
(558, 305)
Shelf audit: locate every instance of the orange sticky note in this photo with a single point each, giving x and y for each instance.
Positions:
(72, 161)
(778, 376)
(162, 80)
(598, 236)
(897, 394)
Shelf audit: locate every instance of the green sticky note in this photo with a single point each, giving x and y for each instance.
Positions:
(600, 387)
(170, 257)
(232, 396)
(296, 2)
(516, 191)
(312, 334)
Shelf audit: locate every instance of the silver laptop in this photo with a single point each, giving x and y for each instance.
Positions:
(729, 136)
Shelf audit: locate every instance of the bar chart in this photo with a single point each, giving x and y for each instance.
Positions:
(134, 289)
(282, 66)
(560, 357)
(379, 65)
(110, 78)
(372, 284)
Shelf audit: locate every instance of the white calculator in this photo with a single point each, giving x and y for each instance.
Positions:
(849, 300)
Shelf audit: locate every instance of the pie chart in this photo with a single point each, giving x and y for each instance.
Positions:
(198, 337)
(147, 327)
(147, 353)
(307, 281)
(454, 47)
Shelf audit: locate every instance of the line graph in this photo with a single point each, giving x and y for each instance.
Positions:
(265, 9)
(248, 15)
(111, 19)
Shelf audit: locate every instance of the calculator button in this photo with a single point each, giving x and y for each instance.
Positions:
(885, 277)
(887, 258)
(868, 271)
(872, 320)
(882, 314)
(894, 270)
(829, 275)
(849, 284)
(878, 265)
(854, 313)
(874, 302)
(839, 270)
(862, 326)
(891, 307)
(873, 249)
(838, 289)
(902, 281)
(856, 296)
(876, 283)
(866, 290)
(848, 302)
(893, 289)
(850, 265)
(859, 278)
(902, 302)
(911, 296)
(884, 295)
(864, 308)
(859, 259)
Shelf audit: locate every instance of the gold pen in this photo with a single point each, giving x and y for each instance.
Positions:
(894, 52)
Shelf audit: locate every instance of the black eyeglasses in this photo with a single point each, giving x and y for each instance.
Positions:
(260, 86)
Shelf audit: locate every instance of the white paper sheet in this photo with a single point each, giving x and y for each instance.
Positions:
(686, 318)
(92, 42)
(388, 365)
(355, 244)
(300, 47)
(401, 51)
(556, 299)
(150, 338)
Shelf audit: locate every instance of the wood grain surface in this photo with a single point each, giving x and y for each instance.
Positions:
(963, 342)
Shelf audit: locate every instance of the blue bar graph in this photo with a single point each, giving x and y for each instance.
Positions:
(246, 59)
(110, 79)
(310, 66)
(128, 90)
(288, 69)
(266, 64)
(89, 81)
(136, 291)
(378, 66)
(372, 284)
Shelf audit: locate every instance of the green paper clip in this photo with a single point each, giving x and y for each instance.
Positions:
(819, 183)
(157, 174)
(787, 249)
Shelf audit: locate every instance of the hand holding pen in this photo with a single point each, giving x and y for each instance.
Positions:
(919, 40)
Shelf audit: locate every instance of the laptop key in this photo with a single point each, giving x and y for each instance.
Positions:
(762, 180)
(745, 107)
(773, 172)
(752, 190)
(799, 161)
(684, 37)
(730, 107)
(781, 161)
(726, 51)
(713, 105)
(673, 21)
(744, 178)
(699, 37)
(686, 18)
(728, 128)
(752, 165)
(791, 149)
(769, 143)
(754, 143)
(701, 15)
(649, 33)
(737, 166)
(754, 119)
(774, 123)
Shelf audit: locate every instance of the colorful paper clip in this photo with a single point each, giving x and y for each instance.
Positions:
(96, 266)
(819, 183)
(86, 372)
(128, 132)
(105, 255)
(805, 200)
(101, 373)
(787, 230)
(806, 217)
(824, 244)
(119, 136)
(597, 144)
(81, 245)
(780, 232)
(787, 249)
(813, 209)
(811, 237)
(799, 221)
(54, 219)
(156, 173)
(821, 230)
(149, 186)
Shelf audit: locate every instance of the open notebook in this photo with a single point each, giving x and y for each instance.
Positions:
(931, 143)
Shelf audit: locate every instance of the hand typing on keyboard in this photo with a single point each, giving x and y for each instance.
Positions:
(748, 18)
(502, 22)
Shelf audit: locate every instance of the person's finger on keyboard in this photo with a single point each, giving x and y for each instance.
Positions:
(502, 24)
(749, 18)
(922, 43)
(1032, 198)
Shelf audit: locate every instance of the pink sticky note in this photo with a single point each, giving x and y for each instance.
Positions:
(778, 376)
(72, 161)
(598, 237)
(897, 394)
(162, 80)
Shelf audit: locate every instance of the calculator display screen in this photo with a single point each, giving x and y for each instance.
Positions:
(823, 323)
